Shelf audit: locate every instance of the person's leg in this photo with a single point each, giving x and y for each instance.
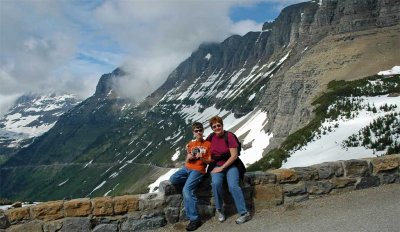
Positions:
(189, 198)
(217, 179)
(180, 176)
(232, 176)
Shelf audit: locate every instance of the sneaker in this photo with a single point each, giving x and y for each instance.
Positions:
(220, 215)
(244, 218)
(193, 225)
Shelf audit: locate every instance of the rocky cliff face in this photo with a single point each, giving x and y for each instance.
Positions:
(262, 83)
(335, 32)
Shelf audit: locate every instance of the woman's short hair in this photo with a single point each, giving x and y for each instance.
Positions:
(198, 125)
(215, 119)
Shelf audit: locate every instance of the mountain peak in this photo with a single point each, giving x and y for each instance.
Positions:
(107, 81)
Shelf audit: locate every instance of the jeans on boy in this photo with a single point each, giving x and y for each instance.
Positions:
(232, 176)
(191, 178)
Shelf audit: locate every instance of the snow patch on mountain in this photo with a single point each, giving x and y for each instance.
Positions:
(32, 117)
(393, 71)
(62, 183)
(176, 155)
(97, 187)
(256, 138)
(329, 147)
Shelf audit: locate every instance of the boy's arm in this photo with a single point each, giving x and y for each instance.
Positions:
(189, 155)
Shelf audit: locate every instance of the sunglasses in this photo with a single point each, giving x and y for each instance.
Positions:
(216, 126)
(197, 131)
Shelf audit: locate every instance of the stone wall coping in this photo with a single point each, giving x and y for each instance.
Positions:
(262, 189)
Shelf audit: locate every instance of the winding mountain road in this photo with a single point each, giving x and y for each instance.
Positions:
(368, 210)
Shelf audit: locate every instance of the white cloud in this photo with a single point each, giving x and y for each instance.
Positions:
(159, 35)
(244, 26)
(7, 101)
(67, 45)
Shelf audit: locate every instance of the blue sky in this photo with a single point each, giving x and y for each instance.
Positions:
(259, 12)
(65, 46)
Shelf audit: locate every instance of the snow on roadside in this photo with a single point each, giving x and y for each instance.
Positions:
(329, 147)
(24, 204)
(154, 186)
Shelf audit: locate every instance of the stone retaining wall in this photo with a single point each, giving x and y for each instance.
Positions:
(152, 210)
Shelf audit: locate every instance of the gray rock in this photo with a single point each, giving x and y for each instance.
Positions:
(174, 200)
(259, 177)
(143, 224)
(306, 173)
(4, 223)
(172, 214)
(342, 182)
(106, 228)
(295, 199)
(356, 168)
(294, 189)
(151, 214)
(206, 211)
(76, 225)
(318, 187)
(53, 226)
(368, 182)
(389, 178)
(167, 188)
(329, 169)
(35, 226)
(151, 201)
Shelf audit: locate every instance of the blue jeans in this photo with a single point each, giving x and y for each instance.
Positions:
(191, 178)
(232, 176)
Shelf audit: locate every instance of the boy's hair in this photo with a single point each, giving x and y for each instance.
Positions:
(197, 125)
(215, 119)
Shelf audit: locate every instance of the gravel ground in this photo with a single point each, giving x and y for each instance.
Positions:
(372, 210)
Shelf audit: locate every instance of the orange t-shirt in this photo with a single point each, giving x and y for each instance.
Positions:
(198, 164)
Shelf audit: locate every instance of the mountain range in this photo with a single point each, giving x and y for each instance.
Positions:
(268, 86)
(30, 117)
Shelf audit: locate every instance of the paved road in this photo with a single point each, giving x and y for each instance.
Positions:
(372, 210)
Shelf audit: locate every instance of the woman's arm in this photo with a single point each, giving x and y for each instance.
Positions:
(229, 162)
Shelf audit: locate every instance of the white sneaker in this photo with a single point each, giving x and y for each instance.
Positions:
(244, 218)
(220, 215)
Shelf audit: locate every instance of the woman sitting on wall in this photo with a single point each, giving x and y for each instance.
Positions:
(224, 153)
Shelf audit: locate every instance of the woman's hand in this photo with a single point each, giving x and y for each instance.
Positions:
(217, 169)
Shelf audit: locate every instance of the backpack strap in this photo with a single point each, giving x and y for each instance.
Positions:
(210, 137)
(226, 138)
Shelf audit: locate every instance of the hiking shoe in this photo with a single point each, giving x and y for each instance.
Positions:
(193, 225)
(220, 215)
(244, 218)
